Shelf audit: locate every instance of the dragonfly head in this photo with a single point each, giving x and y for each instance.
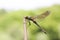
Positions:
(27, 17)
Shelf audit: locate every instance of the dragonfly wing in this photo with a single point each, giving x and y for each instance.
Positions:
(42, 16)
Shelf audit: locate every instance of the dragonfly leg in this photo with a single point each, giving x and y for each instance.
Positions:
(29, 23)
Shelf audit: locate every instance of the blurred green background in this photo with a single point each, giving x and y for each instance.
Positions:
(11, 24)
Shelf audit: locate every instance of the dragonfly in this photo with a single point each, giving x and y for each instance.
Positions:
(42, 16)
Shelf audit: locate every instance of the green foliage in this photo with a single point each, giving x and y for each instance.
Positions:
(11, 24)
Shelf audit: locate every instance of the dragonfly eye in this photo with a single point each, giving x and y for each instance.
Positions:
(26, 17)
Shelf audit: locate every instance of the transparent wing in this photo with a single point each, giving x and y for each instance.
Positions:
(42, 16)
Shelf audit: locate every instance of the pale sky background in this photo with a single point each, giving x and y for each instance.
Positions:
(26, 4)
